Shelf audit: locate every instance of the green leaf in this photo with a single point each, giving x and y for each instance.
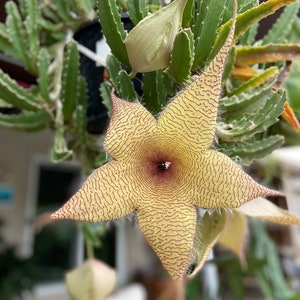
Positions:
(32, 29)
(229, 65)
(279, 31)
(51, 27)
(86, 5)
(15, 95)
(248, 38)
(253, 122)
(70, 78)
(137, 10)
(4, 104)
(60, 151)
(187, 13)
(64, 9)
(113, 67)
(82, 92)
(208, 20)
(5, 44)
(236, 105)
(16, 32)
(262, 78)
(43, 78)
(27, 121)
(80, 112)
(182, 56)
(208, 231)
(245, 20)
(291, 84)
(248, 18)
(154, 91)
(80, 124)
(113, 29)
(250, 149)
(105, 91)
(126, 87)
(267, 53)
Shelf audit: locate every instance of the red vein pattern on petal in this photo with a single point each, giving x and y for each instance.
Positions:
(170, 230)
(129, 126)
(108, 193)
(221, 183)
(191, 116)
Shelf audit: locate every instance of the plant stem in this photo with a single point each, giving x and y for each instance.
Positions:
(89, 249)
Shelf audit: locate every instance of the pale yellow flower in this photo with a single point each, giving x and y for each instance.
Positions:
(162, 169)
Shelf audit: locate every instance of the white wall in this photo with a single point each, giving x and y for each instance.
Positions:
(16, 151)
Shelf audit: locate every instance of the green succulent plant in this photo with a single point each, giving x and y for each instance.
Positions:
(39, 35)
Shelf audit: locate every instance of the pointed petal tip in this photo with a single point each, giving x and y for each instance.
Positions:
(264, 209)
(60, 214)
(273, 193)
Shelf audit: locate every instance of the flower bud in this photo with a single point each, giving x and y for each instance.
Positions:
(92, 280)
(149, 44)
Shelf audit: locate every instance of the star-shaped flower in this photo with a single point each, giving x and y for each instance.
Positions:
(162, 169)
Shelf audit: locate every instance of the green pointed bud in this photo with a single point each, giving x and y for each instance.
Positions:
(149, 44)
(91, 280)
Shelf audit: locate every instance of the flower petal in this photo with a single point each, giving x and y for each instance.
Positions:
(130, 125)
(218, 182)
(107, 194)
(208, 232)
(191, 116)
(263, 209)
(170, 230)
(234, 234)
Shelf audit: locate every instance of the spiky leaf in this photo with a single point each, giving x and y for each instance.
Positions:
(262, 78)
(70, 78)
(105, 95)
(113, 29)
(245, 21)
(27, 121)
(79, 123)
(60, 151)
(43, 79)
(182, 55)
(187, 13)
(137, 10)
(65, 10)
(15, 95)
(87, 6)
(113, 67)
(126, 87)
(266, 53)
(154, 91)
(209, 17)
(251, 123)
(279, 31)
(245, 102)
(5, 44)
(16, 32)
(250, 149)
(32, 29)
